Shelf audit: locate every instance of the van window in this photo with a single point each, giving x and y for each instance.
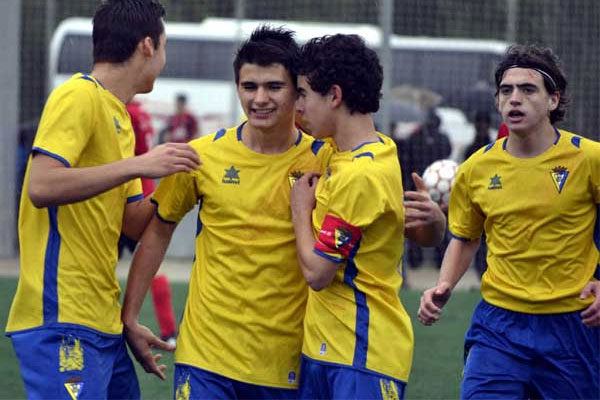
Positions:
(190, 59)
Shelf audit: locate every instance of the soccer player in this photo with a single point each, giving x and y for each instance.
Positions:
(241, 333)
(535, 194)
(358, 338)
(81, 191)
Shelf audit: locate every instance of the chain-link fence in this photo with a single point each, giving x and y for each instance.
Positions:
(441, 55)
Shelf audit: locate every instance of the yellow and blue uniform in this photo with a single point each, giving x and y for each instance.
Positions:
(540, 218)
(358, 321)
(247, 296)
(69, 252)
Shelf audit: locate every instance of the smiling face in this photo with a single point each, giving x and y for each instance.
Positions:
(314, 109)
(524, 102)
(267, 96)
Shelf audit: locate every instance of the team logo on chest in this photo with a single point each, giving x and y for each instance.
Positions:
(232, 176)
(495, 182)
(294, 176)
(559, 177)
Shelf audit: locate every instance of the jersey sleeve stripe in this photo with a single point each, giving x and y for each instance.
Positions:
(166, 221)
(328, 256)
(53, 155)
(137, 197)
(462, 239)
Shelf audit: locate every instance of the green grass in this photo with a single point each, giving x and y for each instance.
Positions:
(437, 363)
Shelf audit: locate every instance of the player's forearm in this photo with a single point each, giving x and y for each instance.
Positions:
(432, 234)
(457, 259)
(136, 218)
(145, 264)
(318, 272)
(51, 184)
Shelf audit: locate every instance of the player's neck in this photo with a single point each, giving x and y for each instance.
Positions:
(115, 78)
(532, 143)
(274, 140)
(353, 130)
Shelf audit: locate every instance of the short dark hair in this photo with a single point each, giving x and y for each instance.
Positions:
(119, 25)
(343, 60)
(266, 46)
(546, 63)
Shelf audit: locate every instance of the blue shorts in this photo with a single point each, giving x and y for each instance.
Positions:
(320, 380)
(74, 363)
(512, 355)
(195, 383)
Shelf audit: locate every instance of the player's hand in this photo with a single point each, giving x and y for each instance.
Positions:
(141, 341)
(167, 159)
(591, 315)
(419, 209)
(302, 195)
(432, 302)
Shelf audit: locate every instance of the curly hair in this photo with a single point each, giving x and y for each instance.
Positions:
(266, 46)
(346, 61)
(546, 63)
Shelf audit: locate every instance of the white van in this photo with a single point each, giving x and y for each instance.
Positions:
(200, 57)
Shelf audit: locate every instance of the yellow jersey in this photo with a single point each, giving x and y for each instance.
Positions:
(69, 252)
(540, 219)
(247, 295)
(358, 320)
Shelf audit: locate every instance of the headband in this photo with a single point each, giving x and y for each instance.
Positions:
(544, 74)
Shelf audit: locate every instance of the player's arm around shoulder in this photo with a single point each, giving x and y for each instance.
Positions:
(54, 183)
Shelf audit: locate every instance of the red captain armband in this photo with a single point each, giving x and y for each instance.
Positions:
(337, 238)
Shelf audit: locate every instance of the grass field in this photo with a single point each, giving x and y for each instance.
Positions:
(437, 363)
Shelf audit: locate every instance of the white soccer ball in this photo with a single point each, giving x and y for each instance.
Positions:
(438, 178)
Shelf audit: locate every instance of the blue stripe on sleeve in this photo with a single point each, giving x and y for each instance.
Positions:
(219, 135)
(50, 154)
(462, 239)
(137, 197)
(328, 256)
(50, 294)
(597, 228)
(199, 224)
(166, 221)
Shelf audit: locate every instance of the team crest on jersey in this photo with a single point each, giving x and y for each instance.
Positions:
(232, 176)
(559, 177)
(184, 389)
(294, 176)
(70, 354)
(117, 124)
(495, 182)
(74, 387)
(292, 377)
(389, 390)
(342, 236)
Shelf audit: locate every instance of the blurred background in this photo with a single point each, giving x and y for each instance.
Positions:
(438, 57)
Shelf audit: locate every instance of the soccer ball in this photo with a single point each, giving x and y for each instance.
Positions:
(438, 178)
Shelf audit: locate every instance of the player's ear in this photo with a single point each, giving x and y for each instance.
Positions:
(146, 45)
(553, 101)
(335, 92)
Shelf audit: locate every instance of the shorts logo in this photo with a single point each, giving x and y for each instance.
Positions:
(74, 386)
(184, 389)
(232, 176)
(294, 176)
(70, 354)
(495, 183)
(389, 390)
(323, 349)
(292, 377)
(559, 177)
